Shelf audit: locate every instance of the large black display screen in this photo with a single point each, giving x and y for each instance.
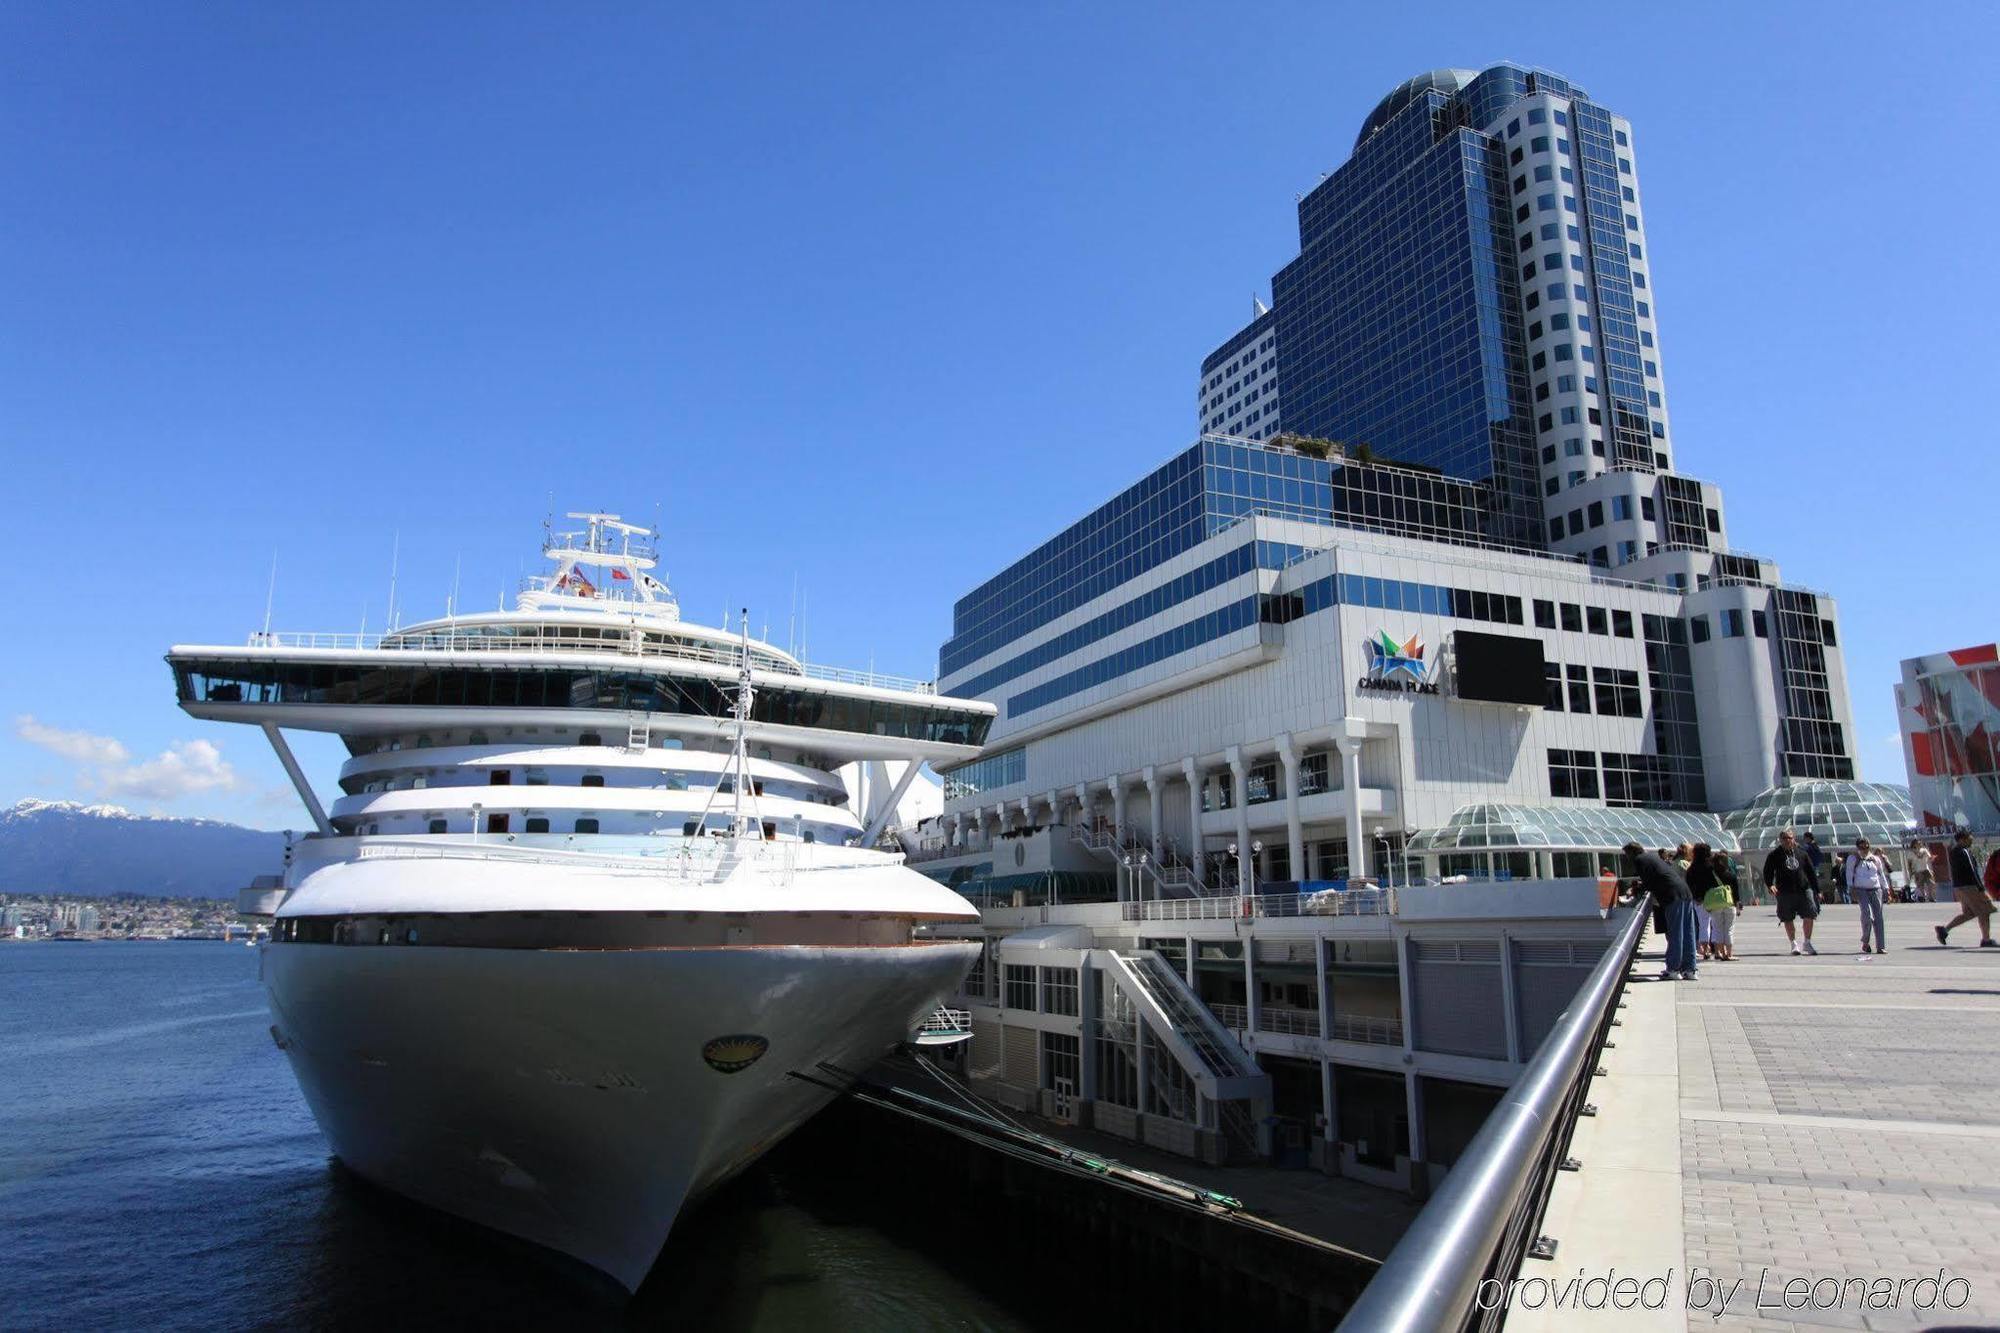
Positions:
(1499, 668)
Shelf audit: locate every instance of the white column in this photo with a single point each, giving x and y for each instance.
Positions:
(1118, 808)
(1350, 791)
(1239, 791)
(1192, 772)
(1332, 1121)
(1086, 1010)
(1295, 841)
(1055, 808)
(1252, 1004)
(1325, 996)
(1153, 809)
(1082, 806)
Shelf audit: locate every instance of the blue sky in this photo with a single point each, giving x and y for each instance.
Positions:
(870, 296)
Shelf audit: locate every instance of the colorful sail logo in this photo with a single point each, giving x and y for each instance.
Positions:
(1388, 659)
(1397, 666)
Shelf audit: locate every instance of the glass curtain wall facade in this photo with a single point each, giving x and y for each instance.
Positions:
(1194, 496)
(1399, 325)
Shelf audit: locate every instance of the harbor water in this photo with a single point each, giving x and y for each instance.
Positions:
(159, 1169)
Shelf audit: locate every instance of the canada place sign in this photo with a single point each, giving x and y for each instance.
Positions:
(1397, 668)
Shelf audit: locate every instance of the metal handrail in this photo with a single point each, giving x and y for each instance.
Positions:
(1480, 1221)
(1220, 907)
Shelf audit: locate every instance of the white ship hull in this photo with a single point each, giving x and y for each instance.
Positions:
(564, 1096)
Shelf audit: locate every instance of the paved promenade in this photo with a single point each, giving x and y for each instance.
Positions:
(1837, 1117)
(1840, 1115)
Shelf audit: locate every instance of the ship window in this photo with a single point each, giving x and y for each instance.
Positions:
(537, 824)
(590, 738)
(477, 738)
(437, 826)
(496, 823)
(499, 777)
(770, 831)
(423, 742)
(687, 829)
(593, 779)
(586, 826)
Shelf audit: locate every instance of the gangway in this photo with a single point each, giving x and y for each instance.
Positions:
(944, 1027)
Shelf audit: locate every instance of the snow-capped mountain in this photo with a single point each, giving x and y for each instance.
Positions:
(66, 847)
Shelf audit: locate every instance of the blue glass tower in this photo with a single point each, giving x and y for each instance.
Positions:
(1468, 295)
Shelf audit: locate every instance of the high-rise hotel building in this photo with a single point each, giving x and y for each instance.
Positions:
(1498, 642)
(1470, 324)
(1472, 294)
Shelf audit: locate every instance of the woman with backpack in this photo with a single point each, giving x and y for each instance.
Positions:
(1700, 870)
(1720, 902)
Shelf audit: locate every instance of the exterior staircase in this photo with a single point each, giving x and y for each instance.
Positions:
(1206, 1050)
(1171, 875)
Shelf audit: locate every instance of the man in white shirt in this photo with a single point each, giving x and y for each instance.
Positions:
(1866, 875)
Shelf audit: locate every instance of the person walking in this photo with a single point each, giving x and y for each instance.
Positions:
(1700, 872)
(1720, 902)
(1817, 855)
(1663, 881)
(1789, 874)
(1866, 874)
(1919, 878)
(1972, 899)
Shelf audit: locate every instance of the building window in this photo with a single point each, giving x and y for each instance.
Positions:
(1573, 773)
(1621, 624)
(1594, 616)
(1579, 688)
(1020, 987)
(1617, 692)
(1572, 614)
(1596, 512)
(1059, 990)
(1732, 623)
(1698, 628)
(1545, 614)
(1061, 1062)
(1761, 623)
(1552, 686)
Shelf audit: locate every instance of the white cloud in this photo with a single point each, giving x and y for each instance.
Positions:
(105, 767)
(78, 746)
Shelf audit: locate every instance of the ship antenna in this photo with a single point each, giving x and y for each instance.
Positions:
(744, 695)
(270, 591)
(395, 558)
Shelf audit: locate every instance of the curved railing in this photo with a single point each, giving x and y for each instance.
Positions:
(1483, 1219)
(445, 641)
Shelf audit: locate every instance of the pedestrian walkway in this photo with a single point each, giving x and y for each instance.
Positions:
(1840, 1114)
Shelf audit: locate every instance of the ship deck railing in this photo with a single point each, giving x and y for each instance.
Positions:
(621, 645)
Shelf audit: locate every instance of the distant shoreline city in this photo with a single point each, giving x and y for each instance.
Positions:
(116, 916)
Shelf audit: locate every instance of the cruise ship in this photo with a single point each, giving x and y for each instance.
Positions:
(594, 921)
